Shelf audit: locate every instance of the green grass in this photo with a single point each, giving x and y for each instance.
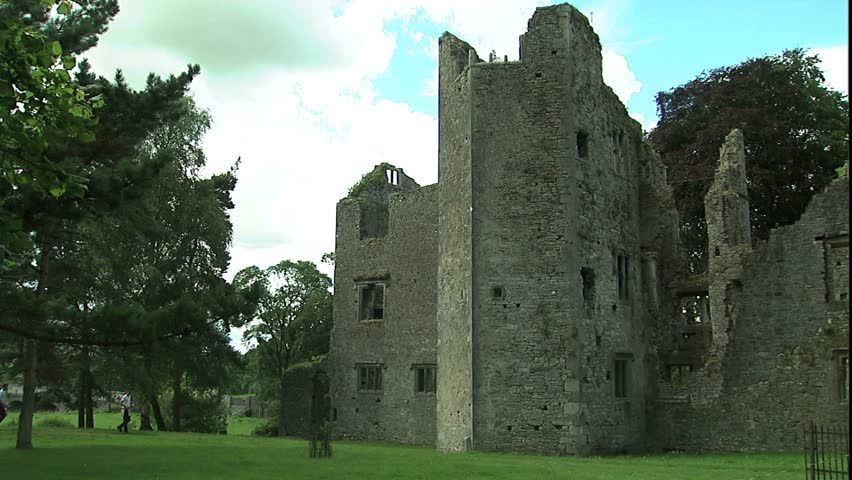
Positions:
(110, 420)
(69, 453)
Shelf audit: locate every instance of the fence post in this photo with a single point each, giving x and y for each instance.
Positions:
(813, 450)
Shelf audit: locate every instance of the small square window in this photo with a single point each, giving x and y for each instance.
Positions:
(371, 301)
(694, 309)
(424, 378)
(679, 375)
(369, 377)
(498, 292)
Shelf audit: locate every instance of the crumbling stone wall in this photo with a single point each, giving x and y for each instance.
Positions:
(775, 362)
(405, 262)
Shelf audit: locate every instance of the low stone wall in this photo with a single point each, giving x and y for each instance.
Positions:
(300, 396)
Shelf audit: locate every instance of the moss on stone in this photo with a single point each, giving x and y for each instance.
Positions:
(374, 179)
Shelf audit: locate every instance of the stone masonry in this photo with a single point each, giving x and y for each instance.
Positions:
(534, 299)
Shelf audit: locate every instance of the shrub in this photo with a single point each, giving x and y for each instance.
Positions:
(269, 428)
(55, 422)
(204, 413)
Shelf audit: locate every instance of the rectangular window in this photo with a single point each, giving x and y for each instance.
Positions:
(371, 301)
(694, 309)
(622, 375)
(623, 276)
(424, 378)
(679, 375)
(841, 374)
(369, 377)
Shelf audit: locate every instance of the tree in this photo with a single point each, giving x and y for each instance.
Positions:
(40, 105)
(796, 133)
(293, 320)
(51, 296)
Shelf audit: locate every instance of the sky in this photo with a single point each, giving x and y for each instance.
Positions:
(311, 94)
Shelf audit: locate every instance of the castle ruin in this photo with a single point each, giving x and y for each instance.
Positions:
(535, 298)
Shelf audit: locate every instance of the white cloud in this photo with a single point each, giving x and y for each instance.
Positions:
(618, 76)
(835, 66)
(303, 114)
(647, 124)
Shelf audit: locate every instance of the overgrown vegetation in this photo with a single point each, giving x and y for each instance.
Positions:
(796, 137)
(375, 179)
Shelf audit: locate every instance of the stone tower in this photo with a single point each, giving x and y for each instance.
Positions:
(541, 343)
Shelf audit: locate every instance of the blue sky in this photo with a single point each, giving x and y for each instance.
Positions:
(311, 94)
(666, 43)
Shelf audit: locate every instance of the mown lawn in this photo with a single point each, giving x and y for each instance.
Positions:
(68, 453)
(110, 420)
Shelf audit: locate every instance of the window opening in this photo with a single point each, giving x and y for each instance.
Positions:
(622, 374)
(582, 144)
(841, 372)
(369, 378)
(588, 277)
(694, 309)
(498, 292)
(371, 298)
(393, 176)
(424, 378)
(623, 276)
(679, 375)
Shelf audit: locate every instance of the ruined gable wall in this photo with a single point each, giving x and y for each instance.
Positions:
(405, 259)
(788, 317)
(542, 210)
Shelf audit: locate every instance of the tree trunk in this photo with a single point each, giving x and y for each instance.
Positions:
(282, 429)
(29, 356)
(176, 400)
(158, 414)
(25, 421)
(81, 401)
(145, 416)
(90, 404)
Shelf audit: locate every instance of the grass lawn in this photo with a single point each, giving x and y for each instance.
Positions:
(110, 420)
(68, 453)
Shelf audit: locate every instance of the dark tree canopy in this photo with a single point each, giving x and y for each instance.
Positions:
(796, 137)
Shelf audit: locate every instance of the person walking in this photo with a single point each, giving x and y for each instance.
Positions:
(125, 411)
(4, 409)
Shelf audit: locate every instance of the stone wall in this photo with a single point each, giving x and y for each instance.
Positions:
(405, 262)
(454, 312)
(555, 189)
(299, 396)
(788, 325)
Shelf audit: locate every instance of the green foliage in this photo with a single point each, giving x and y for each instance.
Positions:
(204, 413)
(268, 428)
(369, 181)
(796, 136)
(40, 107)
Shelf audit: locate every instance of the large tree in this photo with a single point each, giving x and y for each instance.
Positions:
(293, 320)
(64, 291)
(796, 134)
